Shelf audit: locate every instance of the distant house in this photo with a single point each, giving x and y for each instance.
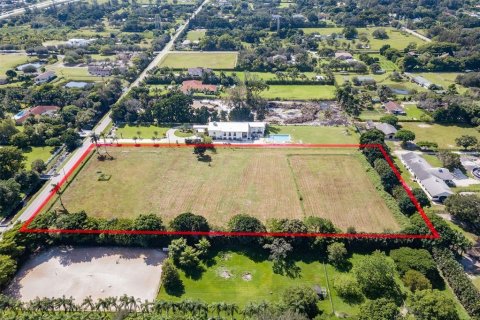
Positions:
(394, 108)
(278, 58)
(186, 43)
(363, 80)
(198, 72)
(388, 130)
(44, 77)
(342, 55)
(234, 130)
(100, 70)
(434, 181)
(190, 86)
(3, 81)
(421, 81)
(78, 42)
(299, 17)
(36, 111)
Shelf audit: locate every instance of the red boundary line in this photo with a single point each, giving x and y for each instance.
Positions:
(434, 234)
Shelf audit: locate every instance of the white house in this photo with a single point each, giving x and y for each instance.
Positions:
(234, 130)
(432, 180)
(78, 42)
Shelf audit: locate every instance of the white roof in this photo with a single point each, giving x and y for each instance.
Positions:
(234, 126)
(436, 187)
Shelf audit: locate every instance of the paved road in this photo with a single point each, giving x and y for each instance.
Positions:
(99, 128)
(37, 5)
(416, 34)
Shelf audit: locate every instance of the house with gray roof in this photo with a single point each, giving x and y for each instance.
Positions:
(388, 130)
(434, 181)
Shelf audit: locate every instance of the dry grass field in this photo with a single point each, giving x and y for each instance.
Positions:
(266, 183)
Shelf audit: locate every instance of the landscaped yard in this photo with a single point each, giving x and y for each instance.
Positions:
(235, 278)
(73, 73)
(312, 134)
(443, 78)
(144, 132)
(169, 181)
(444, 135)
(37, 153)
(413, 113)
(299, 92)
(213, 60)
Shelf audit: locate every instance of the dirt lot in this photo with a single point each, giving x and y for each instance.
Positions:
(94, 271)
(259, 182)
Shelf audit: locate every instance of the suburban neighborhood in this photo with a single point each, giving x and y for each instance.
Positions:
(240, 159)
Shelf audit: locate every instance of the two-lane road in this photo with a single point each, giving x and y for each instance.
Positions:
(39, 5)
(99, 128)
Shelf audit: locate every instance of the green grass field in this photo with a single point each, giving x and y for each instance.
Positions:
(214, 285)
(311, 134)
(299, 92)
(444, 135)
(413, 113)
(302, 176)
(10, 61)
(213, 60)
(197, 34)
(146, 132)
(73, 73)
(443, 78)
(397, 39)
(380, 79)
(262, 75)
(36, 153)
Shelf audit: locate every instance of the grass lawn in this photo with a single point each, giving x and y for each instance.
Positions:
(444, 135)
(386, 64)
(476, 282)
(299, 92)
(303, 186)
(196, 34)
(147, 132)
(10, 61)
(213, 60)
(413, 113)
(322, 31)
(311, 134)
(432, 159)
(35, 153)
(73, 73)
(262, 75)
(380, 79)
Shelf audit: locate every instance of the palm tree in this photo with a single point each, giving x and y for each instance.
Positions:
(56, 188)
(94, 139)
(87, 304)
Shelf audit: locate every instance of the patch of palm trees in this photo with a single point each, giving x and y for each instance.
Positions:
(95, 138)
(128, 307)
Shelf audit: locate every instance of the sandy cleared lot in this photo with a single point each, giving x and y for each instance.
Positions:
(98, 272)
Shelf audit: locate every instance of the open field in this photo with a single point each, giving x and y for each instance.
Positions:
(213, 60)
(443, 78)
(444, 135)
(10, 61)
(94, 271)
(196, 34)
(312, 134)
(397, 39)
(299, 92)
(73, 73)
(413, 113)
(236, 181)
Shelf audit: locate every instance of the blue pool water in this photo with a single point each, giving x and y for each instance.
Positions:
(279, 138)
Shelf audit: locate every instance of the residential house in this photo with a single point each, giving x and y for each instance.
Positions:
(421, 81)
(100, 70)
(278, 58)
(234, 130)
(434, 181)
(190, 86)
(388, 130)
(78, 42)
(198, 72)
(342, 55)
(44, 77)
(36, 112)
(363, 81)
(394, 108)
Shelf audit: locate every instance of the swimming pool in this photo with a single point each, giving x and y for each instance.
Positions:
(279, 138)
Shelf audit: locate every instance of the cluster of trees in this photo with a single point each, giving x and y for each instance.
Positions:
(466, 209)
(390, 181)
(166, 75)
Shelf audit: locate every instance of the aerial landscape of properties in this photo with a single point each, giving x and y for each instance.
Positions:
(240, 159)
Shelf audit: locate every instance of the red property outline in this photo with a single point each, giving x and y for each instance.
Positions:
(433, 235)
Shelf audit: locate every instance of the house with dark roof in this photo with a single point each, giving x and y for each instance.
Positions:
(44, 77)
(198, 72)
(434, 181)
(394, 108)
